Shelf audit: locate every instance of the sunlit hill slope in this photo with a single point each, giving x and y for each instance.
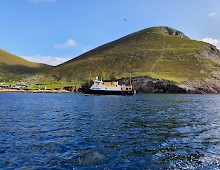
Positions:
(14, 67)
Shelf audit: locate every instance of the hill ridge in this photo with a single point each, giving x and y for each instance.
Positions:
(15, 67)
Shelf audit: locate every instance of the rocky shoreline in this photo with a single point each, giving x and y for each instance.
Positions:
(147, 84)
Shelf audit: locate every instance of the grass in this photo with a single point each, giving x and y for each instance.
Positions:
(10, 59)
(39, 81)
(51, 86)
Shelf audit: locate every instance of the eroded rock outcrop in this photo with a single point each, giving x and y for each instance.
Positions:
(147, 84)
(174, 32)
(211, 52)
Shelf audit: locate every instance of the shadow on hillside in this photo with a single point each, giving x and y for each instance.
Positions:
(22, 69)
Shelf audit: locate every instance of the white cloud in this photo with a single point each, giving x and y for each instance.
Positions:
(215, 42)
(67, 44)
(42, 1)
(47, 59)
(213, 15)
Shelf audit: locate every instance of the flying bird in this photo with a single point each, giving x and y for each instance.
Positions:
(125, 19)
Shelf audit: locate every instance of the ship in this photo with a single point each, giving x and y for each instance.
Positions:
(108, 88)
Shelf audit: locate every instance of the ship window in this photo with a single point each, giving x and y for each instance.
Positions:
(115, 85)
(126, 88)
(111, 83)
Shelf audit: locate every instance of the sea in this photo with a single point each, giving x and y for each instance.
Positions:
(145, 131)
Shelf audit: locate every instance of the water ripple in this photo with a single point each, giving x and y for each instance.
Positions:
(73, 131)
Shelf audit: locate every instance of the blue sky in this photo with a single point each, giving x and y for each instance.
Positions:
(54, 31)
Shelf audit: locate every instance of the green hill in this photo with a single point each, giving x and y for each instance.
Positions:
(159, 52)
(14, 68)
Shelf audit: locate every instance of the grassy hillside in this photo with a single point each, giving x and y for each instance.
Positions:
(156, 52)
(14, 68)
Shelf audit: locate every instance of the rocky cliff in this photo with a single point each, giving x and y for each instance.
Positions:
(146, 84)
(174, 32)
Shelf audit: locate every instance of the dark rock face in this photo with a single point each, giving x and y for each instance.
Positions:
(72, 88)
(147, 84)
(171, 31)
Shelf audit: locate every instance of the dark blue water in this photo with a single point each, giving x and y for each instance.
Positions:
(73, 131)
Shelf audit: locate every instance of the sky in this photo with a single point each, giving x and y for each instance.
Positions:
(54, 31)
